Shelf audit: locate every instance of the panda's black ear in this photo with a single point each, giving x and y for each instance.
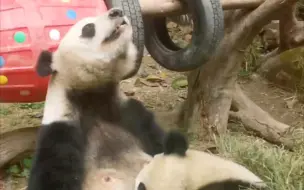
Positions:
(43, 66)
(175, 143)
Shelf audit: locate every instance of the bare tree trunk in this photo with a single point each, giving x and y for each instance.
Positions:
(212, 87)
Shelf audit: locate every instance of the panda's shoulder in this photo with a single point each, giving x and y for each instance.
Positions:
(59, 152)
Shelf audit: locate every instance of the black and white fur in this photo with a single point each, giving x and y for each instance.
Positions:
(180, 168)
(91, 137)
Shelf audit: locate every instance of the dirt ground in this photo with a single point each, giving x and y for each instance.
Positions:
(153, 86)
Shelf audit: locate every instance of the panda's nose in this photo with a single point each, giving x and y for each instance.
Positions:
(115, 12)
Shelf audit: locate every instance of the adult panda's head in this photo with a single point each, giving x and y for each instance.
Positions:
(180, 168)
(95, 51)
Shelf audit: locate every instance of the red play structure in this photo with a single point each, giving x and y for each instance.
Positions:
(27, 27)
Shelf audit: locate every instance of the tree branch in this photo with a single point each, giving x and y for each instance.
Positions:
(256, 119)
(241, 4)
(177, 7)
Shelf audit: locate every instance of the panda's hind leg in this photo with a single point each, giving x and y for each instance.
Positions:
(58, 160)
(141, 123)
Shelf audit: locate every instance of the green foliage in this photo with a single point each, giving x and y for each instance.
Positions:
(4, 111)
(21, 169)
(180, 82)
(252, 54)
(280, 169)
(31, 105)
(27, 162)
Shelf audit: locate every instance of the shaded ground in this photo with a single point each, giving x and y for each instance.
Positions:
(153, 87)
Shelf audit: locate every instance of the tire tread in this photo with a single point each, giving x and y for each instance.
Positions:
(132, 10)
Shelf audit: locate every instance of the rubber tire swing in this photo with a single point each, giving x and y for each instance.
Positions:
(208, 22)
(132, 10)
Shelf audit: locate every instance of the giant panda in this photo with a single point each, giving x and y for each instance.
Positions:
(92, 137)
(180, 168)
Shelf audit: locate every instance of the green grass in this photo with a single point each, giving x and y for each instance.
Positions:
(251, 58)
(21, 169)
(279, 168)
(31, 105)
(4, 111)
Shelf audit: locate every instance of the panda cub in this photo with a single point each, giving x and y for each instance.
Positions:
(91, 137)
(180, 168)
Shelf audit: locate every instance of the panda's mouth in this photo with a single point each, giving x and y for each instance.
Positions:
(117, 31)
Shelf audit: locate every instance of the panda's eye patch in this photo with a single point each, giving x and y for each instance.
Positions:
(141, 186)
(88, 31)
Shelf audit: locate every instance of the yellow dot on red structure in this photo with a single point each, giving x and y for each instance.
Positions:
(3, 80)
(65, 1)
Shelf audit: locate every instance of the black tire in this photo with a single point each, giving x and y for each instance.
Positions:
(208, 30)
(132, 10)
